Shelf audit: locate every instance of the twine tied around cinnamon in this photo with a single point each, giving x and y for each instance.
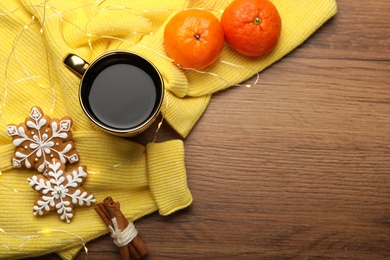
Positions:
(122, 237)
(123, 232)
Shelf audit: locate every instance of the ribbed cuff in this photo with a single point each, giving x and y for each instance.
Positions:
(167, 176)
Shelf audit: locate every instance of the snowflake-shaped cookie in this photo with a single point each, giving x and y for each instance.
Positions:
(60, 190)
(40, 139)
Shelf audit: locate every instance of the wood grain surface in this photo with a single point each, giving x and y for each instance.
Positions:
(295, 167)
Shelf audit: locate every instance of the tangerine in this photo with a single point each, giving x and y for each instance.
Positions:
(194, 38)
(251, 27)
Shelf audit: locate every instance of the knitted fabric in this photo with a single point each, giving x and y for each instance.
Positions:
(37, 34)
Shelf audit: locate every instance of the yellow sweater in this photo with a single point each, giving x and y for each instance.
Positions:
(35, 36)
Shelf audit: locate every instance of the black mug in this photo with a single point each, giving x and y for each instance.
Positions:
(120, 91)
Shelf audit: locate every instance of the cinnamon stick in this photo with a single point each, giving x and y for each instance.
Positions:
(109, 211)
(140, 246)
(133, 251)
(103, 213)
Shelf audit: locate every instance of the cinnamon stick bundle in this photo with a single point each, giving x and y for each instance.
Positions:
(123, 232)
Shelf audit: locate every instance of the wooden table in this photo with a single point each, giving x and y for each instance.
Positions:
(297, 166)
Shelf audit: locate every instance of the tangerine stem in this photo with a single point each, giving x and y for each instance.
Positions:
(197, 36)
(257, 21)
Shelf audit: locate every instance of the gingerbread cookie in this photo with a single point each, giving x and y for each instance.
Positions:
(60, 190)
(40, 139)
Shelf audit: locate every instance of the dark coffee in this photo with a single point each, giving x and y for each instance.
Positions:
(122, 96)
(120, 91)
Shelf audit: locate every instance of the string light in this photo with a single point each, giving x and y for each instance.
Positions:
(254, 71)
(14, 44)
(97, 3)
(13, 54)
(10, 188)
(43, 234)
(90, 36)
(50, 231)
(47, 80)
(112, 167)
(25, 239)
(44, 16)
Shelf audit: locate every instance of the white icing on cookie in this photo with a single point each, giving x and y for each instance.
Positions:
(39, 139)
(60, 191)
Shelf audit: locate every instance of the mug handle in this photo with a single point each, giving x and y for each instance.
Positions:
(76, 64)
